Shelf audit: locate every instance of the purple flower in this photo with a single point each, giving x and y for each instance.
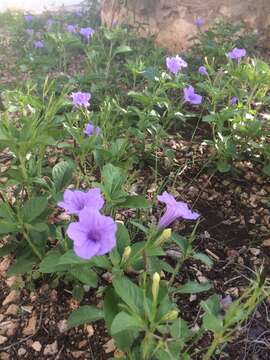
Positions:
(76, 200)
(191, 97)
(49, 23)
(91, 129)
(28, 18)
(87, 32)
(94, 234)
(71, 29)
(38, 44)
(233, 101)
(81, 99)
(174, 210)
(202, 70)
(175, 64)
(199, 22)
(226, 302)
(78, 13)
(237, 54)
(30, 32)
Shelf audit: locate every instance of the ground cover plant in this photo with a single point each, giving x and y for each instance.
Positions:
(135, 183)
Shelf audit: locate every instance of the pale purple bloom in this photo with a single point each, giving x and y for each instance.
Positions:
(30, 32)
(81, 99)
(75, 200)
(233, 101)
(87, 32)
(191, 97)
(199, 22)
(29, 18)
(226, 302)
(175, 64)
(202, 70)
(71, 29)
(237, 54)
(91, 129)
(38, 44)
(78, 13)
(94, 234)
(174, 210)
(50, 23)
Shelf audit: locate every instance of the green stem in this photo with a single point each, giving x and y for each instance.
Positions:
(32, 245)
(176, 270)
(212, 349)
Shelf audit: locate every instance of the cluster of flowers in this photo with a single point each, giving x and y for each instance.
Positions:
(86, 32)
(95, 234)
(176, 63)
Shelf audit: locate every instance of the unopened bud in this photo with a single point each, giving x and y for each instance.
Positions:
(170, 316)
(166, 234)
(126, 254)
(155, 286)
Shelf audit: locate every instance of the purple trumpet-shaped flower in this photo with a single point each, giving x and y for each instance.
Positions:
(191, 97)
(199, 22)
(202, 70)
(30, 32)
(71, 29)
(237, 54)
(75, 200)
(81, 99)
(38, 44)
(175, 64)
(91, 129)
(174, 210)
(28, 18)
(94, 234)
(233, 101)
(87, 32)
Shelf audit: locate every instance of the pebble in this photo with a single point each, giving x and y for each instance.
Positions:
(21, 351)
(3, 339)
(12, 297)
(51, 349)
(62, 326)
(12, 310)
(37, 346)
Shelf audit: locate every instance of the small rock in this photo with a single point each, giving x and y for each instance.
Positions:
(62, 326)
(12, 310)
(119, 354)
(82, 344)
(255, 251)
(53, 295)
(11, 281)
(21, 351)
(4, 356)
(90, 330)
(8, 328)
(51, 349)
(109, 346)
(37, 346)
(31, 326)
(3, 339)
(77, 354)
(266, 242)
(12, 297)
(4, 265)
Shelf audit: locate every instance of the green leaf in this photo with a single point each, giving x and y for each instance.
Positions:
(85, 314)
(6, 227)
(223, 166)
(213, 323)
(211, 305)
(135, 202)
(179, 329)
(33, 208)
(85, 274)
(23, 264)
(266, 169)
(6, 212)
(78, 292)
(101, 261)
(123, 238)
(113, 179)
(122, 49)
(62, 174)
(130, 293)
(182, 242)
(110, 307)
(203, 258)
(124, 322)
(192, 287)
(50, 263)
(8, 248)
(70, 258)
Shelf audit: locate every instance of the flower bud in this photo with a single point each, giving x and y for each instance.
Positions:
(166, 234)
(155, 286)
(170, 316)
(126, 254)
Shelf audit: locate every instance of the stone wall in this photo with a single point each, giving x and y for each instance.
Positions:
(172, 22)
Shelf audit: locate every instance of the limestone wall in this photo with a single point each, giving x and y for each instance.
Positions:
(172, 21)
